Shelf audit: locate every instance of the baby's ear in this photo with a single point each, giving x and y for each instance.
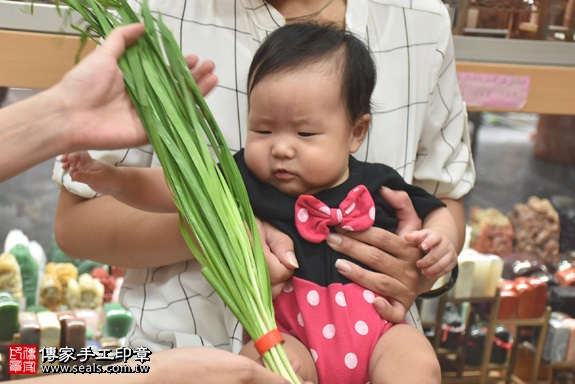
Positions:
(359, 133)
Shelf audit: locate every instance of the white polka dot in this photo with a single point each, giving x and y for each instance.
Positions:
(350, 360)
(325, 209)
(302, 215)
(340, 299)
(288, 287)
(300, 319)
(368, 296)
(361, 328)
(348, 228)
(339, 215)
(313, 298)
(350, 209)
(313, 354)
(328, 331)
(372, 213)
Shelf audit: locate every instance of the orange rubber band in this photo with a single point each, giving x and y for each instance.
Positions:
(268, 341)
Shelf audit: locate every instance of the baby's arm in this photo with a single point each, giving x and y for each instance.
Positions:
(440, 248)
(142, 188)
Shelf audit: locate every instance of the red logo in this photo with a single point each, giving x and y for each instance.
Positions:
(23, 359)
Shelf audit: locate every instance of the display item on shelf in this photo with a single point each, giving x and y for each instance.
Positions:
(86, 292)
(29, 328)
(118, 321)
(487, 270)
(536, 225)
(73, 333)
(524, 264)
(51, 292)
(522, 298)
(491, 231)
(565, 274)
(9, 309)
(502, 343)
(452, 327)
(29, 271)
(10, 276)
(464, 284)
(565, 207)
(558, 335)
(562, 299)
(475, 343)
(108, 282)
(50, 330)
(570, 352)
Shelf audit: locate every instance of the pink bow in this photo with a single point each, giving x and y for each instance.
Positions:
(313, 217)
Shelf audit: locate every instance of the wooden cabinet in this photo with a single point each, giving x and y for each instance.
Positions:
(453, 361)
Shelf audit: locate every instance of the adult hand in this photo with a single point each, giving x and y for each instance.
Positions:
(206, 366)
(280, 256)
(99, 112)
(184, 365)
(393, 258)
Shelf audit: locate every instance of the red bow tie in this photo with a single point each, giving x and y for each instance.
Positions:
(313, 217)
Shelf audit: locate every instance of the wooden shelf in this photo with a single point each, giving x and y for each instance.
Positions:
(37, 60)
(551, 90)
(487, 372)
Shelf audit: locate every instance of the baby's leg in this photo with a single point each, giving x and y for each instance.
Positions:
(296, 351)
(404, 355)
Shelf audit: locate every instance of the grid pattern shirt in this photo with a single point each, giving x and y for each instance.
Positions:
(419, 128)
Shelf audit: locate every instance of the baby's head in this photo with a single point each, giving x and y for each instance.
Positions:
(301, 46)
(309, 94)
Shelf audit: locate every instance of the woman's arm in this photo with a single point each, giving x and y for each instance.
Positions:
(107, 231)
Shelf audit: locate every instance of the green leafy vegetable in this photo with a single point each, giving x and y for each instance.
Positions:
(216, 217)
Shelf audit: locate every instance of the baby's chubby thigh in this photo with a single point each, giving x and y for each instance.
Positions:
(404, 355)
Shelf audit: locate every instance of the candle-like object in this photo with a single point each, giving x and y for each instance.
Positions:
(29, 328)
(118, 320)
(464, 282)
(50, 329)
(9, 310)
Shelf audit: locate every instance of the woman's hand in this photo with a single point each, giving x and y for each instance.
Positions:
(394, 259)
(208, 365)
(280, 256)
(97, 109)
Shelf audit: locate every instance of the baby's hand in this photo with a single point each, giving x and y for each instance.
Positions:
(440, 257)
(96, 174)
(79, 165)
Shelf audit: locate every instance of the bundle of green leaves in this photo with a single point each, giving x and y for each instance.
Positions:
(216, 217)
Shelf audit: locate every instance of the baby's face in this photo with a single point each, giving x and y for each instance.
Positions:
(299, 136)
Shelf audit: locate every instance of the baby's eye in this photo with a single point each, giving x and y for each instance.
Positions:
(264, 132)
(306, 134)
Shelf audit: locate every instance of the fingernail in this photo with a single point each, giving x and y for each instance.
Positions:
(292, 259)
(333, 238)
(343, 266)
(384, 188)
(379, 305)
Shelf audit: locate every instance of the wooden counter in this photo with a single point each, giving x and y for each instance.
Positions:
(552, 89)
(38, 60)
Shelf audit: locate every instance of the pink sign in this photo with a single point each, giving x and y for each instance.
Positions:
(495, 91)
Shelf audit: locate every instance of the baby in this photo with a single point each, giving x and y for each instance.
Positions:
(309, 92)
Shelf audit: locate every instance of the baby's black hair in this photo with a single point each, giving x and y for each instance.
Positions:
(295, 46)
